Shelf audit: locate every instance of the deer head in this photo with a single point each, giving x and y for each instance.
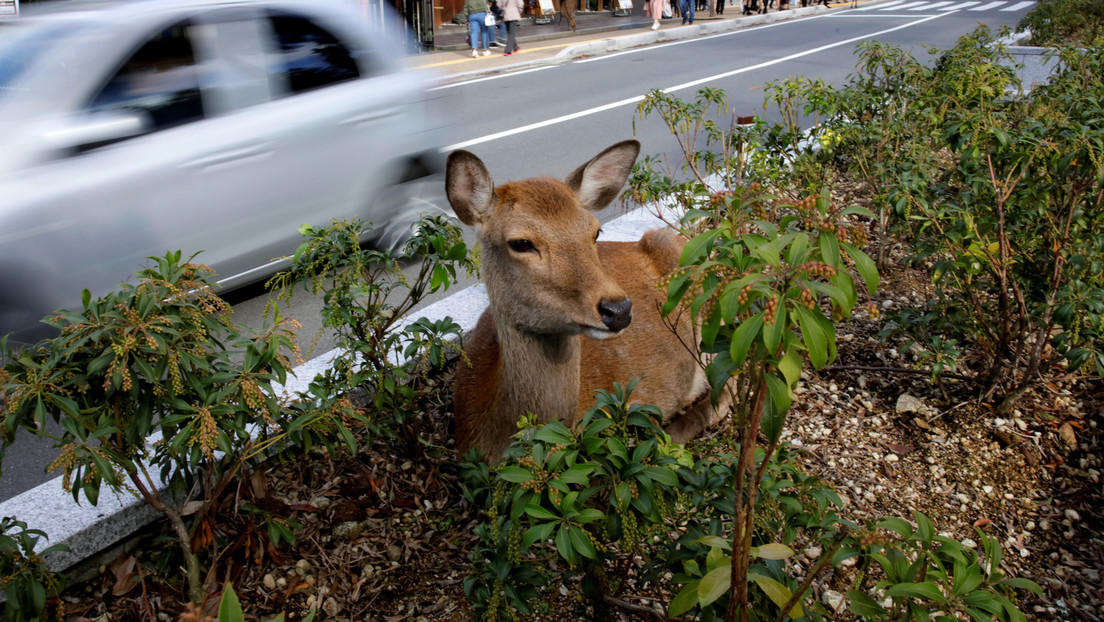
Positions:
(539, 238)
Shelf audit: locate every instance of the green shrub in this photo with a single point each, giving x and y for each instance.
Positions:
(1065, 23)
(366, 298)
(24, 576)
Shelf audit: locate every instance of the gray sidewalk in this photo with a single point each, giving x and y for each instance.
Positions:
(595, 32)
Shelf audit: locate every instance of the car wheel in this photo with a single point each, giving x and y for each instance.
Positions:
(402, 205)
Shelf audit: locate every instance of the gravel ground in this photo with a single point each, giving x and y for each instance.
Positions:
(385, 536)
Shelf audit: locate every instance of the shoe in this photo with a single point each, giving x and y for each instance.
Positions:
(508, 54)
(493, 44)
(655, 26)
(475, 53)
(684, 21)
(486, 52)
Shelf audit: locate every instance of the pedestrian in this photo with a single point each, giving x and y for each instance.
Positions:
(500, 25)
(687, 8)
(654, 9)
(511, 15)
(480, 32)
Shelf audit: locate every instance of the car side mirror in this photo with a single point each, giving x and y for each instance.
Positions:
(96, 130)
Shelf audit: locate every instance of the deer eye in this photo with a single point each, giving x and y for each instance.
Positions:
(521, 246)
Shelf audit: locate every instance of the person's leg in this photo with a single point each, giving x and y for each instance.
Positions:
(485, 33)
(510, 42)
(689, 11)
(473, 31)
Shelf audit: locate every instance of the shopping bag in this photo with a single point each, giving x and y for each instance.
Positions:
(489, 20)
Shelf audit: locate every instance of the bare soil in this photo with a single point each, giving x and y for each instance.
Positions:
(386, 535)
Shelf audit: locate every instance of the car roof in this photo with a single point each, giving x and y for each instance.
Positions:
(72, 7)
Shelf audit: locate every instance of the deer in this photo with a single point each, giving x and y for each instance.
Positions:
(568, 314)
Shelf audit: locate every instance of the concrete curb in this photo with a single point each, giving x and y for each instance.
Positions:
(89, 530)
(704, 27)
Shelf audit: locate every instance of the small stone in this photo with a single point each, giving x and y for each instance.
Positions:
(813, 552)
(1073, 515)
(1069, 439)
(348, 530)
(970, 544)
(331, 606)
(269, 581)
(302, 567)
(891, 457)
(908, 404)
(833, 600)
(987, 490)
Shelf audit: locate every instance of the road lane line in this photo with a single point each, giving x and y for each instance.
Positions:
(678, 87)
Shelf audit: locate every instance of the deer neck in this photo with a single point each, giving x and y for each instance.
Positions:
(540, 373)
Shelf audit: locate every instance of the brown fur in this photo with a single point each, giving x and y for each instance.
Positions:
(528, 353)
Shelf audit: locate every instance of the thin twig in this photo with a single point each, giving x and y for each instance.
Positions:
(627, 606)
(825, 559)
(894, 370)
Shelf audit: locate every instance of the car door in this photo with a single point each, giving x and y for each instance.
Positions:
(339, 116)
(86, 214)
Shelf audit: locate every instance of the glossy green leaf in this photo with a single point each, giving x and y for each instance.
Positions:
(775, 408)
(774, 332)
(773, 550)
(698, 247)
(744, 339)
(813, 336)
(230, 609)
(925, 590)
(715, 542)
(862, 605)
(714, 584)
(865, 266)
(778, 593)
(684, 601)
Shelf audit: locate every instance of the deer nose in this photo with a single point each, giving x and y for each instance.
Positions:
(615, 315)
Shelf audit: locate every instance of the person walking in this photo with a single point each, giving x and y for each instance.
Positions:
(686, 7)
(654, 9)
(480, 32)
(511, 15)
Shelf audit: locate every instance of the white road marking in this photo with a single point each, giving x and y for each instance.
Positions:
(678, 87)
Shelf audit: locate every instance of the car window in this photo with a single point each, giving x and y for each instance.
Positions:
(161, 80)
(310, 56)
(21, 45)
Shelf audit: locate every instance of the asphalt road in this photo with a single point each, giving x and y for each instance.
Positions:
(547, 120)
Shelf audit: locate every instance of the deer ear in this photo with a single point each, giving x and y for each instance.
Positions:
(469, 187)
(597, 182)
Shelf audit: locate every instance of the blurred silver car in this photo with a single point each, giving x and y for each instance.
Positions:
(130, 129)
